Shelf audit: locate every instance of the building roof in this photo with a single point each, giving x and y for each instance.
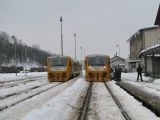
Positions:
(141, 30)
(157, 21)
(117, 58)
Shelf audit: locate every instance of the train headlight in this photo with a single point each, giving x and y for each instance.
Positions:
(90, 68)
(104, 67)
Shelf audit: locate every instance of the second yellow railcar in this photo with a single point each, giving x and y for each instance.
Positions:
(62, 68)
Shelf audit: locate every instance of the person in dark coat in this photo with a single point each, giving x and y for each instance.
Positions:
(119, 73)
(139, 71)
(115, 73)
(112, 76)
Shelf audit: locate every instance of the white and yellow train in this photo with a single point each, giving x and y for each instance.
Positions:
(97, 67)
(62, 68)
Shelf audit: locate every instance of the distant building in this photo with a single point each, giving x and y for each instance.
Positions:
(116, 60)
(145, 49)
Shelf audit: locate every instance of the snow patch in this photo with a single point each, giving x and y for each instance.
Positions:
(134, 108)
(64, 106)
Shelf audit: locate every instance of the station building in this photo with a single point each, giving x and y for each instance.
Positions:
(145, 49)
(116, 60)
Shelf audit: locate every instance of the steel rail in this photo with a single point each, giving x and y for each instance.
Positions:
(84, 111)
(124, 113)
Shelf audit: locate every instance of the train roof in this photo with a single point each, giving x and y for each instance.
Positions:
(98, 55)
(64, 57)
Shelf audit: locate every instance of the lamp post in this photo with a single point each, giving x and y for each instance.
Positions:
(118, 49)
(15, 54)
(81, 53)
(61, 37)
(75, 44)
(81, 56)
(25, 54)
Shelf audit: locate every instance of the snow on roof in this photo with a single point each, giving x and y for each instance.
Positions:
(150, 48)
(130, 61)
(117, 58)
(139, 31)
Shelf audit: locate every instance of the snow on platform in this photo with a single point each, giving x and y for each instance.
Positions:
(12, 76)
(133, 77)
(65, 106)
(147, 81)
(133, 107)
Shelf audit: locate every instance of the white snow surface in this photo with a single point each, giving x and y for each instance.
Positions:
(102, 106)
(148, 81)
(65, 106)
(12, 76)
(134, 108)
(133, 77)
(17, 113)
(157, 81)
(22, 87)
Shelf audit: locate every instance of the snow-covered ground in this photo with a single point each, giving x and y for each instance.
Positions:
(102, 106)
(65, 106)
(12, 76)
(133, 77)
(18, 111)
(134, 108)
(147, 81)
(56, 101)
(21, 88)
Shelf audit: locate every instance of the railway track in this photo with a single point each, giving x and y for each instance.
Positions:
(125, 114)
(6, 103)
(13, 83)
(86, 103)
(17, 98)
(20, 79)
(84, 111)
(23, 90)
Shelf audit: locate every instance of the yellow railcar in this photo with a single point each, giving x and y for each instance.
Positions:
(97, 67)
(62, 68)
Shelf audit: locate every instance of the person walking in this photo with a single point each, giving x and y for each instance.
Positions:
(119, 73)
(139, 71)
(115, 73)
(112, 76)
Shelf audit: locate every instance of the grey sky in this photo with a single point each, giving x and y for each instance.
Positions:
(99, 24)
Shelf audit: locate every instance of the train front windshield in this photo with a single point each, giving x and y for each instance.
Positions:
(96, 61)
(58, 62)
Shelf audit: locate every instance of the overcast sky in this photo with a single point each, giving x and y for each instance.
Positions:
(99, 24)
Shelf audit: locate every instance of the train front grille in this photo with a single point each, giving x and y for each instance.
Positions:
(97, 75)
